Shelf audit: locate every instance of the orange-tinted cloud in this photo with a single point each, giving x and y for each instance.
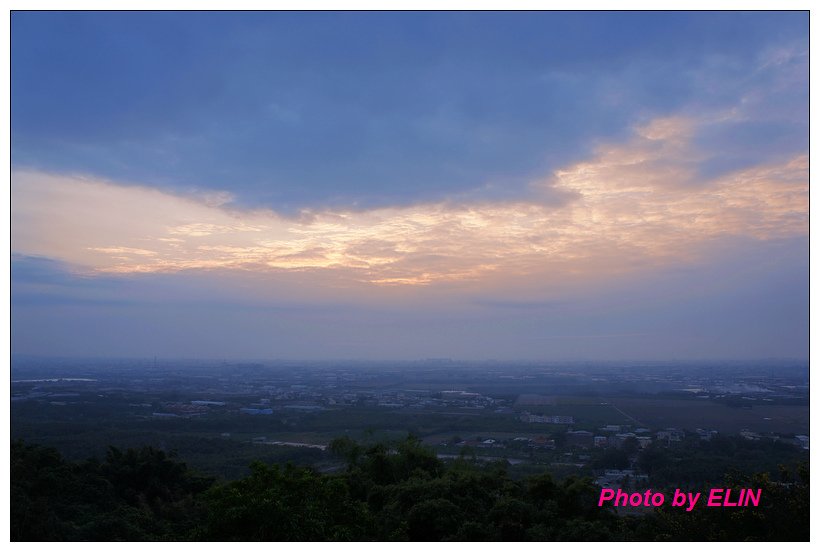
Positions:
(640, 203)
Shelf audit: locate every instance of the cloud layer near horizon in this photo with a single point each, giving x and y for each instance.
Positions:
(637, 204)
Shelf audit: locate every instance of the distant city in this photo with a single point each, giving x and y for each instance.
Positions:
(567, 417)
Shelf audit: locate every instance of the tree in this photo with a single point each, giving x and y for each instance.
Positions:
(290, 504)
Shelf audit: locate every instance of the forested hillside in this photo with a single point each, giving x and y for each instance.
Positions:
(398, 492)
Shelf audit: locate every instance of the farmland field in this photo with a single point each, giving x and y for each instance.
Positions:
(694, 413)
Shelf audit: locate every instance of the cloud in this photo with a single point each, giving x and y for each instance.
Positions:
(632, 205)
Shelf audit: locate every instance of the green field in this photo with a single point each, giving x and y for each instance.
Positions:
(697, 413)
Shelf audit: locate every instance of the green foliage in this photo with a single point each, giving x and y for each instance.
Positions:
(134, 495)
(290, 504)
(397, 491)
(700, 463)
(783, 513)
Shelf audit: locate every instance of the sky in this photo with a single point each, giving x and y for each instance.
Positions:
(386, 186)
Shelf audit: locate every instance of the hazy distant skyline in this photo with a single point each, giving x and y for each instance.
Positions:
(410, 185)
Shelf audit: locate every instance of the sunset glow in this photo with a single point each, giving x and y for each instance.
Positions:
(540, 182)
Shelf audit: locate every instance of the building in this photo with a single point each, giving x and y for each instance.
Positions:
(533, 419)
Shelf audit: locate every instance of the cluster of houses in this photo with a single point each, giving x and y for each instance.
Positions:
(613, 435)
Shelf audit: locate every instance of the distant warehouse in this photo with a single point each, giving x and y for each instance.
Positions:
(533, 419)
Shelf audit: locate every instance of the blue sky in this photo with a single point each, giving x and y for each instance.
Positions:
(404, 185)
